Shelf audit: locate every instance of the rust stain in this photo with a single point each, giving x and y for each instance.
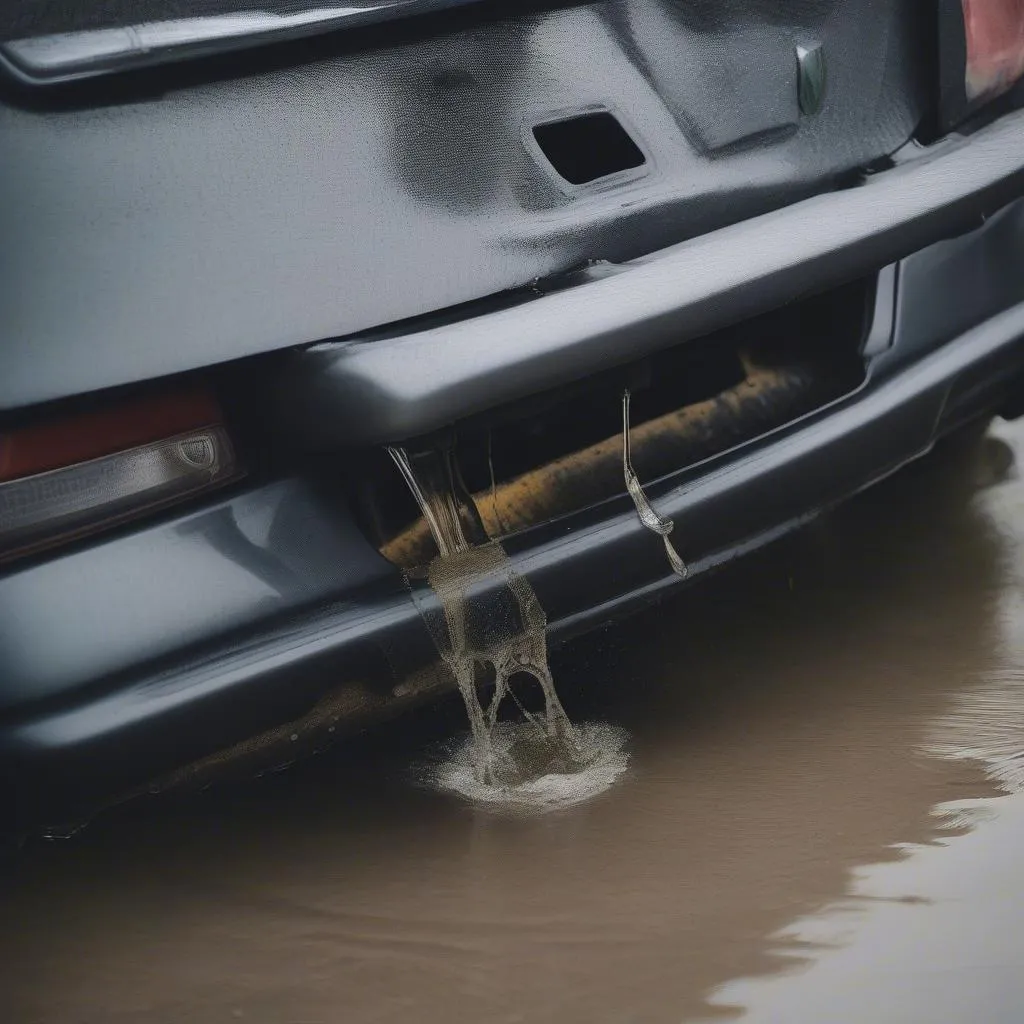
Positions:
(350, 706)
(761, 400)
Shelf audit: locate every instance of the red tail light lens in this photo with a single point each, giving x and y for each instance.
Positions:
(995, 46)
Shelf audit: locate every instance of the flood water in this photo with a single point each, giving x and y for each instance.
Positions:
(821, 821)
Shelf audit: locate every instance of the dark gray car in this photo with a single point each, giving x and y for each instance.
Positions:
(243, 253)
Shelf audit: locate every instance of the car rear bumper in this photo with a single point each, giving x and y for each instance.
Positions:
(129, 658)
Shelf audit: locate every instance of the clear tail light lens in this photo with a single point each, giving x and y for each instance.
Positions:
(38, 509)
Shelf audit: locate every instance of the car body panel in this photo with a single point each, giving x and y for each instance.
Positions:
(210, 219)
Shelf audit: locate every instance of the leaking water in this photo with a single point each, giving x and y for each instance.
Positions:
(492, 628)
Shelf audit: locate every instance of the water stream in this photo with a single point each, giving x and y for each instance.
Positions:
(490, 629)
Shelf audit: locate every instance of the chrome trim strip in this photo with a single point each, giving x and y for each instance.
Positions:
(71, 56)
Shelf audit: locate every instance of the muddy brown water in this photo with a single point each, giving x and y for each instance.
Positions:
(821, 821)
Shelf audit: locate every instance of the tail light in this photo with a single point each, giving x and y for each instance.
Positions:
(995, 46)
(66, 478)
(981, 55)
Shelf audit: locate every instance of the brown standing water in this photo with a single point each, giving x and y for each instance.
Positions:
(820, 822)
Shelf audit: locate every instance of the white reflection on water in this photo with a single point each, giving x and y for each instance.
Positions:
(936, 933)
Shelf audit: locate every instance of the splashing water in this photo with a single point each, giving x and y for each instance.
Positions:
(530, 775)
(491, 627)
